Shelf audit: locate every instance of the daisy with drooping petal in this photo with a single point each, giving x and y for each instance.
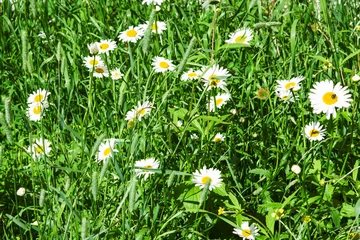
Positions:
(35, 111)
(241, 36)
(214, 77)
(285, 95)
(157, 2)
(132, 34)
(220, 100)
(100, 71)
(293, 83)
(39, 97)
(246, 231)
(150, 163)
(218, 138)
(106, 150)
(39, 148)
(131, 115)
(201, 177)
(93, 61)
(157, 27)
(116, 74)
(190, 75)
(161, 64)
(143, 109)
(314, 131)
(105, 46)
(325, 97)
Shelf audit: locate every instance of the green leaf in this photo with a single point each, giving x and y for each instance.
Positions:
(191, 199)
(329, 191)
(234, 201)
(347, 210)
(335, 215)
(221, 190)
(261, 172)
(270, 221)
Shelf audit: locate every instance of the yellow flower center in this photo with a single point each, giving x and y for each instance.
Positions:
(240, 39)
(154, 27)
(284, 97)
(37, 110)
(131, 33)
(217, 139)
(39, 149)
(38, 98)
(205, 179)
(164, 64)
(290, 85)
(99, 70)
(219, 101)
(148, 166)
(107, 151)
(141, 111)
(104, 46)
(94, 62)
(117, 74)
(314, 133)
(192, 74)
(330, 98)
(246, 232)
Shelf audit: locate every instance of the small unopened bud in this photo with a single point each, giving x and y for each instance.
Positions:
(296, 169)
(233, 111)
(355, 78)
(21, 192)
(93, 48)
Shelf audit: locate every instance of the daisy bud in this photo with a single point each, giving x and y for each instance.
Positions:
(233, 111)
(355, 78)
(35, 223)
(21, 192)
(93, 48)
(296, 169)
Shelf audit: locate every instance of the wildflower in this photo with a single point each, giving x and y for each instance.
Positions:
(246, 231)
(355, 78)
(179, 123)
(106, 150)
(218, 138)
(325, 97)
(161, 64)
(322, 182)
(190, 75)
(220, 211)
(233, 111)
(292, 84)
(296, 169)
(314, 131)
(327, 64)
(285, 95)
(204, 175)
(157, 2)
(194, 136)
(278, 213)
(263, 93)
(91, 61)
(206, 4)
(131, 115)
(241, 36)
(116, 74)
(156, 27)
(220, 100)
(93, 48)
(21, 192)
(42, 35)
(132, 34)
(143, 109)
(39, 148)
(35, 223)
(100, 71)
(150, 163)
(39, 97)
(105, 46)
(214, 77)
(306, 219)
(35, 111)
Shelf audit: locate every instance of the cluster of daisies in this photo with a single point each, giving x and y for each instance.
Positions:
(37, 104)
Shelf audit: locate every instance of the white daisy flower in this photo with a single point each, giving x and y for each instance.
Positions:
(132, 34)
(105, 46)
(201, 177)
(161, 64)
(21, 192)
(35, 111)
(116, 74)
(100, 71)
(148, 2)
(246, 231)
(214, 77)
(93, 49)
(131, 115)
(143, 109)
(150, 163)
(220, 100)
(93, 61)
(39, 148)
(285, 95)
(106, 150)
(218, 138)
(157, 27)
(39, 97)
(325, 97)
(190, 75)
(293, 83)
(241, 36)
(314, 131)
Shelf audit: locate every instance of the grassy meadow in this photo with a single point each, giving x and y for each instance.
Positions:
(185, 130)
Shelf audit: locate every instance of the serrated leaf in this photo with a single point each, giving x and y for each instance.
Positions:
(221, 190)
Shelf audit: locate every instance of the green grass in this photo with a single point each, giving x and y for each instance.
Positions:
(73, 197)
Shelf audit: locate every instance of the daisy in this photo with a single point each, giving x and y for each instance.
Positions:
(157, 26)
(143, 109)
(207, 3)
(325, 97)
(201, 177)
(132, 34)
(100, 71)
(161, 64)
(39, 97)
(246, 231)
(214, 76)
(106, 150)
(220, 100)
(116, 74)
(150, 163)
(218, 138)
(241, 36)
(39, 148)
(190, 75)
(92, 61)
(314, 131)
(35, 111)
(285, 95)
(131, 115)
(293, 83)
(105, 46)
(148, 2)
(93, 48)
